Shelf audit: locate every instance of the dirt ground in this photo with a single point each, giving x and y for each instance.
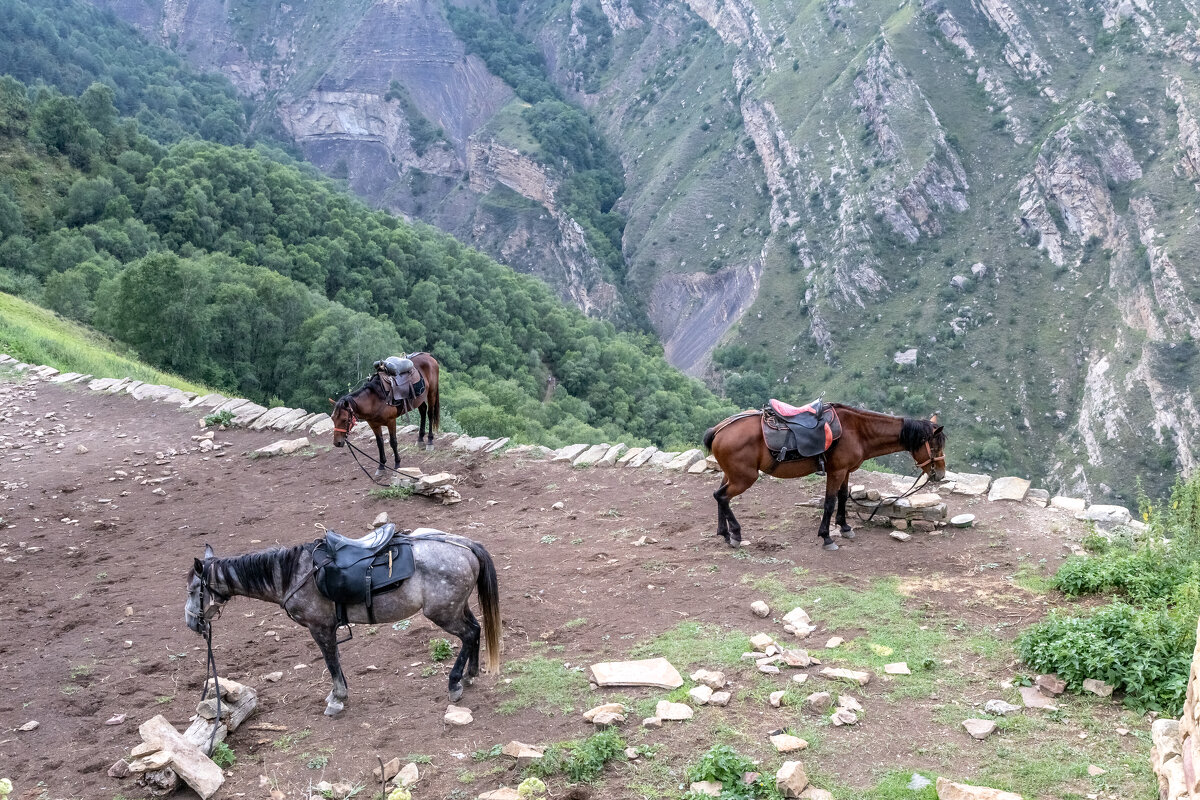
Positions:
(93, 566)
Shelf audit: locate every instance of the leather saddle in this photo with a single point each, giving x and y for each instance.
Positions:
(793, 432)
(351, 572)
(402, 381)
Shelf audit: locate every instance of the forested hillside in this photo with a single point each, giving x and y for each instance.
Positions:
(240, 269)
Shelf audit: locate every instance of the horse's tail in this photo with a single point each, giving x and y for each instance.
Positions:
(709, 435)
(489, 602)
(435, 411)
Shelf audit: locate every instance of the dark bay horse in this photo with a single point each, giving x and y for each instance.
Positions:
(447, 569)
(738, 445)
(371, 404)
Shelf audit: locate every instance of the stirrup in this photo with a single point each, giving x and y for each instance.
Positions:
(821, 466)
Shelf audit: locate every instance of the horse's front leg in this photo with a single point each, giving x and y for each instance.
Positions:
(422, 409)
(326, 639)
(379, 443)
(392, 438)
(842, 496)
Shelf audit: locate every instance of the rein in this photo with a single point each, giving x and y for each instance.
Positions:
(916, 484)
(211, 660)
(355, 450)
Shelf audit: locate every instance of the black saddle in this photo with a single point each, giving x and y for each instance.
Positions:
(351, 572)
(402, 381)
(793, 432)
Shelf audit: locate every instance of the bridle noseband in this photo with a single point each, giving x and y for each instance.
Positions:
(353, 418)
(217, 600)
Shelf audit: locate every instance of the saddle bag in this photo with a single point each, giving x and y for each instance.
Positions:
(352, 571)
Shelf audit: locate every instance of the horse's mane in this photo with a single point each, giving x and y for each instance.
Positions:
(256, 571)
(916, 432)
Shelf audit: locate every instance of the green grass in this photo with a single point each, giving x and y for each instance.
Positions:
(694, 643)
(543, 684)
(391, 493)
(37, 336)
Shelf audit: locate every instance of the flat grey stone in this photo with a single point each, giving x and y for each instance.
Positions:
(1008, 489)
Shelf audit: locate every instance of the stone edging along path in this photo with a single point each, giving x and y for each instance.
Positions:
(922, 509)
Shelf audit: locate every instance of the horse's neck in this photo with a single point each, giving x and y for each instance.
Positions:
(267, 580)
(880, 433)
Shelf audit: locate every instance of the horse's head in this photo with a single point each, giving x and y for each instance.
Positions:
(926, 441)
(344, 420)
(204, 602)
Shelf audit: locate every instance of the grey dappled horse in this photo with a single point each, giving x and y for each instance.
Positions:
(446, 571)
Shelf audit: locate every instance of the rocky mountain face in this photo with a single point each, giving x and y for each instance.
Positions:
(1006, 187)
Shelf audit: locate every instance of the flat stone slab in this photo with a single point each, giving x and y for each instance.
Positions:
(899, 668)
(322, 425)
(647, 672)
(590, 456)
(642, 457)
(1106, 515)
(979, 728)
(289, 421)
(786, 743)
(922, 500)
(470, 444)
(1098, 688)
(685, 459)
(667, 710)
(283, 447)
(570, 452)
(268, 417)
(949, 790)
(1032, 698)
(610, 458)
(628, 456)
(1008, 489)
(607, 708)
(246, 413)
(661, 459)
(1001, 708)
(1075, 505)
(861, 678)
(971, 484)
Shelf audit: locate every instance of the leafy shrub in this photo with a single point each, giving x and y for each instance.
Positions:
(223, 756)
(224, 419)
(726, 766)
(580, 761)
(440, 649)
(1141, 644)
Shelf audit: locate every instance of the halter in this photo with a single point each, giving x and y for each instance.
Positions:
(353, 418)
(929, 450)
(217, 600)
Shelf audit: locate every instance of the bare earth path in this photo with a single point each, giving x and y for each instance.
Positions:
(93, 559)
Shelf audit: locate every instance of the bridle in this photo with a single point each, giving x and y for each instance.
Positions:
(353, 418)
(931, 460)
(205, 618)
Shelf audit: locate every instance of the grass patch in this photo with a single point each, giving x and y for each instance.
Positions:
(543, 684)
(581, 761)
(440, 649)
(223, 756)
(694, 643)
(391, 493)
(289, 740)
(38, 336)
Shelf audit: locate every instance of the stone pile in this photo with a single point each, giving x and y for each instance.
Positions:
(1176, 752)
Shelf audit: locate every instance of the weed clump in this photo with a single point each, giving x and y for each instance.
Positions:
(726, 766)
(581, 761)
(1142, 642)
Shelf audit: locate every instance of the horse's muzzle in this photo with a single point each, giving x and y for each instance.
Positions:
(339, 442)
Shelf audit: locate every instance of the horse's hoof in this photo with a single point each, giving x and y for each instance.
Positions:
(830, 546)
(738, 543)
(333, 709)
(848, 533)
(456, 693)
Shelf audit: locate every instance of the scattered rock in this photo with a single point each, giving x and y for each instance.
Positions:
(861, 678)
(607, 719)
(1032, 698)
(843, 716)
(408, 775)
(1075, 505)
(1106, 516)
(701, 695)
(559, 506)
(1098, 688)
(503, 793)
(898, 668)
(720, 699)
(768, 669)
(819, 702)
(797, 658)
(710, 788)
(798, 619)
(918, 782)
(786, 743)
(760, 608)
(652, 722)
(380, 519)
(776, 699)
(761, 641)
(833, 642)
(901, 536)
(979, 728)
(525, 754)
(666, 710)
(457, 715)
(607, 708)
(116, 719)
(948, 790)
(906, 358)
(390, 770)
(283, 447)
(1095, 771)
(272, 677)
(849, 703)
(813, 793)
(791, 779)
(119, 769)
(1001, 708)
(800, 677)
(32, 725)
(1050, 685)
(632, 753)
(713, 680)
(81, 449)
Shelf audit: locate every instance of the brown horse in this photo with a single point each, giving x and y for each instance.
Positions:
(370, 403)
(738, 445)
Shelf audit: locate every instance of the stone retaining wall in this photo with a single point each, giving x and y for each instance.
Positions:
(1176, 752)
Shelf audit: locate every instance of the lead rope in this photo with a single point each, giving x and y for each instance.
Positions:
(882, 501)
(354, 451)
(210, 668)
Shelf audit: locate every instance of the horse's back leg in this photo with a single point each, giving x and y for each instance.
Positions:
(737, 480)
(842, 496)
(392, 437)
(458, 621)
(833, 484)
(326, 639)
(424, 411)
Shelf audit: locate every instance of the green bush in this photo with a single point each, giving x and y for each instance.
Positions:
(1142, 643)
(726, 766)
(580, 761)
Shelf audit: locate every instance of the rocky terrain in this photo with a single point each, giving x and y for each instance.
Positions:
(896, 670)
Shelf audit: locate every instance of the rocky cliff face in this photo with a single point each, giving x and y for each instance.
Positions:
(1006, 188)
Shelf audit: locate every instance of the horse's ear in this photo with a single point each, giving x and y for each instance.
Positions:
(331, 402)
(199, 566)
(937, 430)
(208, 552)
(933, 419)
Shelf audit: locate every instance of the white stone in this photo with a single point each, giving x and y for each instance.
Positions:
(843, 716)
(1001, 708)
(834, 641)
(1008, 489)
(1097, 687)
(283, 447)
(979, 728)
(647, 672)
(776, 699)
(760, 609)
(570, 452)
(906, 358)
(861, 678)
(380, 519)
(666, 710)
(791, 779)
(713, 680)
(900, 536)
(610, 458)
(761, 641)
(898, 668)
(709, 788)
(970, 484)
(786, 743)
(1105, 516)
(700, 695)
(798, 619)
(720, 699)
(685, 459)
(458, 716)
(949, 790)
(607, 708)
(590, 456)
(642, 457)
(1074, 505)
